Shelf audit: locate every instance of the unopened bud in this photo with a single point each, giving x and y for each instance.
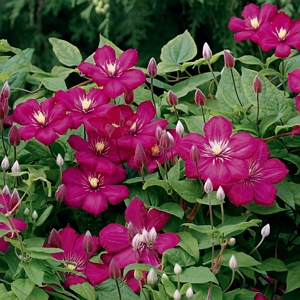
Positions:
(179, 128)
(152, 277)
(128, 97)
(138, 275)
(5, 163)
(231, 242)
(26, 211)
(233, 265)
(200, 98)
(14, 199)
(265, 231)
(132, 230)
(158, 132)
(5, 91)
(140, 158)
(165, 141)
(59, 160)
(171, 139)
(206, 52)
(152, 67)
(114, 270)
(257, 84)
(14, 137)
(228, 59)
(164, 275)
(220, 193)
(177, 269)
(61, 192)
(152, 235)
(208, 186)
(189, 293)
(172, 98)
(54, 239)
(88, 243)
(177, 295)
(34, 215)
(195, 154)
(16, 167)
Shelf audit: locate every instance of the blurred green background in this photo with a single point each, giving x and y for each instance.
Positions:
(145, 25)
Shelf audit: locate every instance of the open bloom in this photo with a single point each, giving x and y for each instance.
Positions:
(93, 190)
(114, 74)
(42, 120)
(281, 33)
(254, 18)
(140, 242)
(263, 173)
(77, 259)
(222, 154)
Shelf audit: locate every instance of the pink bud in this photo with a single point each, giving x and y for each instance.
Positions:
(54, 239)
(16, 167)
(195, 154)
(179, 128)
(220, 193)
(59, 160)
(257, 84)
(189, 293)
(152, 277)
(177, 269)
(265, 230)
(172, 98)
(132, 230)
(88, 243)
(60, 194)
(206, 52)
(158, 133)
(208, 186)
(228, 59)
(3, 107)
(171, 139)
(14, 136)
(177, 295)
(152, 67)
(233, 265)
(114, 269)
(128, 97)
(200, 98)
(14, 199)
(140, 158)
(5, 163)
(165, 141)
(5, 90)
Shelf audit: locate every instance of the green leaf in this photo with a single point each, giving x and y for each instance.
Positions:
(38, 294)
(250, 60)
(286, 192)
(267, 121)
(33, 271)
(180, 49)
(85, 290)
(54, 84)
(66, 53)
(295, 159)
(43, 217)
(156, 182)
(178, 255)
(273, 264)
(264, 210)
(293, 279)
(45, 250)
(22, 288)
(196, 275)
(290, 123)
(188, 189)
(5, 47)
(172, 208)
(194, 123)
(167, 67)
(189, 244)
(243, 259)
(104, 41)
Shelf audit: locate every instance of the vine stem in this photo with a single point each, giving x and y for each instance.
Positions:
(235, 89)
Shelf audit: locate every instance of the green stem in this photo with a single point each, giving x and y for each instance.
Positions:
(203, 115)
(231, 282)
(2, 137)
(255, 248)
(212, 227)
(143, 178)
(235, 89)
(283, 83)
(118, 288)
(257, 102)
(176, 113)
(211, 70)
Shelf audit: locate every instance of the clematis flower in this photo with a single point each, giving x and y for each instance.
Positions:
(254, 18)
(263, 173)
(15, 225)
(281, 33)
(93, 190)
(83, 106)
(222, 154)
(97, 152)
(294, 85)
(140, 242)
(114, 74)
(76, 258)
(42, 120)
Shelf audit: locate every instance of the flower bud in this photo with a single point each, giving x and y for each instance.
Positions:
(152, 67)
(26, 211)
(88, 243)
(14, 199)
(54, 239)
(177, 295)
(3, 107)
(164, 275)
(61, 192)
(59, 160)
(158, 132)
(5, 91)
(179, 128)
(152, 277)
(265, 231)
(177, 269)
(165, 140)
(231, 242)
(16, 167)
(34, 215)
(189, 293)
(199, 98)
(233, 265)
(228, 59)
(257, 84)
(14, 137)
(136, 241)
(171, 139)
(140, 158)
(195, 154)
(172, 98)
(220, 193)
(114, 269)
(138, 275)
(208, 186)
(128, 97)
(6, 191)
(132, 230)
(206, 52)
(5, 163)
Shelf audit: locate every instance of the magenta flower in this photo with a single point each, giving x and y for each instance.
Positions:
(83, 106)
(294, 81)
(263, 173)
(254, 18)
(222, 154)
(98, 152)
(16, 225)
(43, 121)
(281, 33)
(76, 259)
(140, 241)
(114, 74)
(92, 190)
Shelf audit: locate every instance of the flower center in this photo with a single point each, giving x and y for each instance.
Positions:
(71, 266)
(254, 23)
(40, 117)
(155, 150)
(216, 149)
(111, 68)
(133, 127)
(85, 103)
(100, 146)
(115, 125)
(93, 181)
(282, 33)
